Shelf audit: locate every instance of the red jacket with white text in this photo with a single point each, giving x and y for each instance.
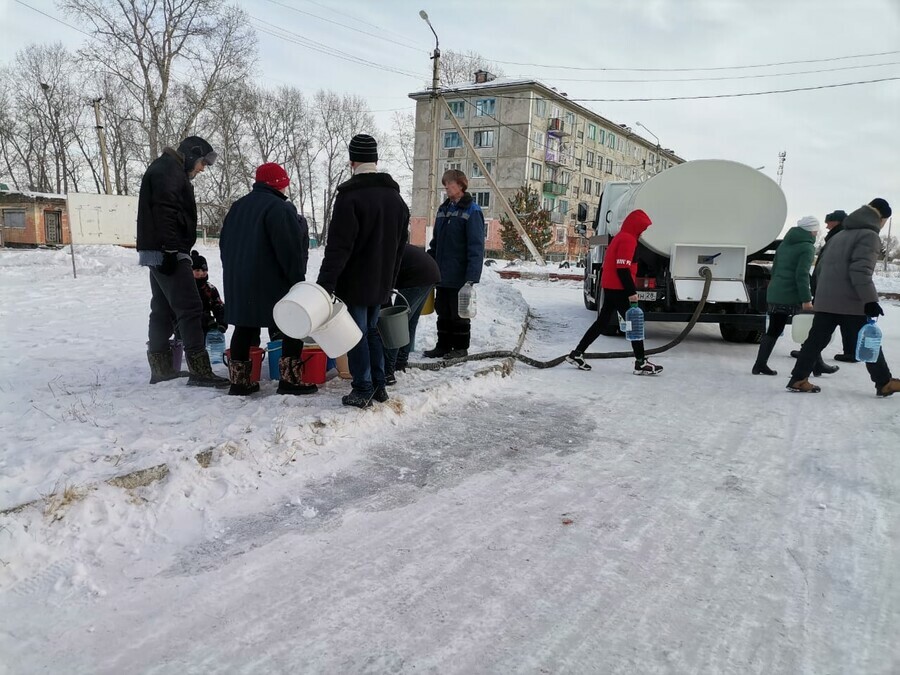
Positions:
(620, 254)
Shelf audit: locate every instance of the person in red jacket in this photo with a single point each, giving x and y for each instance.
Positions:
(617, 280)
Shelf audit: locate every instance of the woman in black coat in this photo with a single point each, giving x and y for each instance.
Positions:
(264, 246)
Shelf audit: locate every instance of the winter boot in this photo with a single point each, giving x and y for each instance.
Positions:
(239, 374)
(803, 387)
(436, 353)
(400, 365)
(846, 358)
(389, 378)
(381, 395)
(892, 387)
(761, 367)
(291, 382)
(161, 368)
(646, 368)
(357, 400)
(822, 368)
(456, 354)
(577, 360)
(202, 374)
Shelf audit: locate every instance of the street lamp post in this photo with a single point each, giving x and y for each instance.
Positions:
(435, 88)
(657, 143)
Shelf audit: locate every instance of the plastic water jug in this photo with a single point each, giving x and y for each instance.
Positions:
(868, 342)
(466, 305)
(215, 346)
(634, 323)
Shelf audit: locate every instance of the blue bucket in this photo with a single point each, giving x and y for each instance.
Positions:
(274, 351)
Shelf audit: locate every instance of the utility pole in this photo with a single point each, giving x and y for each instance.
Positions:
(435, 118)
(782, 156)
(101, 136)
(539, 259)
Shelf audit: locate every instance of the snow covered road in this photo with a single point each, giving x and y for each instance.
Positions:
(705, 521)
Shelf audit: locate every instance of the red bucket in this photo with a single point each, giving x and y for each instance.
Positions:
(256, 358)
(314, 364)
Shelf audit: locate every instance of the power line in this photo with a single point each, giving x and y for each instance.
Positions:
(651, 70)
(357, 19)
(730, 77)
(343, 25)
(50, 16)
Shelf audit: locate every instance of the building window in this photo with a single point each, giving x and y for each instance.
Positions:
(476, 170)
(487, 229)
(536, 171)
(453, 165)
(587, 186)
(570, 119)
(485, 106)
(611, 141)
(577, 163)
(484, 138)
(539, 140)
(563, 206)
(452, 140)
(14, 218)
(589, 158)
(560, 235)
(598, 188)
(458, 108)
(483, 199)
(608, 166)
(592, 132)
(540, 107)
(602, 138)
(580, 135)
(549, 203)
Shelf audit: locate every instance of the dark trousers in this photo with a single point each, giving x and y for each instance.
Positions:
(415, 298)
(366, 359)
(613, 302)
(453, 332)
(175, 301)
(245, 337)
(777, 323)
(820, 334)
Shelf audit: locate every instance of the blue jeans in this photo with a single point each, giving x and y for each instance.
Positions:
(366, 359)
(416, 298)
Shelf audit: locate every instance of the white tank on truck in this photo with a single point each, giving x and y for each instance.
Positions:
(710, 213)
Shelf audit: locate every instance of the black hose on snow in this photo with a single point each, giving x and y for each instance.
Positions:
(552, 363)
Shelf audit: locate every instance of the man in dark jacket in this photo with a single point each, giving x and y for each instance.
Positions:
(264, 246)
(846, 295)
(369, 228)
(166, 233)
(418, 275)
(458, 247)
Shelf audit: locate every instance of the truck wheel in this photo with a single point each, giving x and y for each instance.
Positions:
(754, 336)
(732, 333)
(589, 303)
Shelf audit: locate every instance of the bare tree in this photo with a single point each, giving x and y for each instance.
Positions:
(152, 47)
(460, 67)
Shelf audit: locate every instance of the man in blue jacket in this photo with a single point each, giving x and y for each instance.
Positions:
(458, 248)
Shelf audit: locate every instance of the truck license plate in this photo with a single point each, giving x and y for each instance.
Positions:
(646, 295)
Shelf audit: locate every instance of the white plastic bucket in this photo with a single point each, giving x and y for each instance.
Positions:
(305, 308)
(800, 325)
(339, 334)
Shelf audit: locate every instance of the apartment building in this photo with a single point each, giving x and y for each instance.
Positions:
(527, 132)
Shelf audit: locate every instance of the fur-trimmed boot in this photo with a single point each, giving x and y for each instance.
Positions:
(292, 378)
(202, 374)
(162, 368)
(239, 374)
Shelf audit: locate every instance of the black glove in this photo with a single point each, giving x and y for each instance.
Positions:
(169, 263)
(873, 309)
(222, 328)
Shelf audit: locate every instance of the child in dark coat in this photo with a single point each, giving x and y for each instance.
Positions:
(213, 307)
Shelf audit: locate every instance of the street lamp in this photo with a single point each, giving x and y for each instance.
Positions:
(435, 87)
(657, 143)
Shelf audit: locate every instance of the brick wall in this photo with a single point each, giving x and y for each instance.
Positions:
(35, 231)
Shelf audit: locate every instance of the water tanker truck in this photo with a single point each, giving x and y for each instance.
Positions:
(711, 213)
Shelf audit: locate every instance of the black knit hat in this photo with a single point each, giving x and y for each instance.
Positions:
(363, 148)
(838, 216)
(881, 206)
(198, 262)
(194, 148)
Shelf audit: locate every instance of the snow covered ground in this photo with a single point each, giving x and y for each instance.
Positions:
(553, 521)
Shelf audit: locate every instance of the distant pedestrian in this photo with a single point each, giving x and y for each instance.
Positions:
(213, 307)
(368, 231)
(457, 246)
(166, 233)
(846, 295)
(789, 291)
(617, 280)
(264, 247)
(417, 277)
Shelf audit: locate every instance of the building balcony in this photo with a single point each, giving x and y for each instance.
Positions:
(557, 217)
(556, 126)
(558, 158)
(554, 188)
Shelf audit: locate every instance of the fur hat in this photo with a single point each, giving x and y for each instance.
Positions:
(881, 206)
(836, 216)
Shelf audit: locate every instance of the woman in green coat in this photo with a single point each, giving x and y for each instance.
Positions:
(789, 290)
